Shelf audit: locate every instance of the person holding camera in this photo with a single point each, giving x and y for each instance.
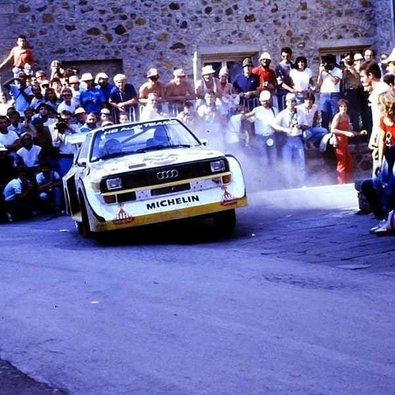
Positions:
(291, 121)
(329, 77)
(61, 130)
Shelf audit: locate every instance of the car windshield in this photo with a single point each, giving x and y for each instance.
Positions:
(127, 139)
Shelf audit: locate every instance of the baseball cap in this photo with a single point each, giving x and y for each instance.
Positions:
(247, 62)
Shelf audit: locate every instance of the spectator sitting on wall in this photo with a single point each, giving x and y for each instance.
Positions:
(21, 56)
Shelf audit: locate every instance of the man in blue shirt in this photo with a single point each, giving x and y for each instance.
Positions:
(21, 93)
(91, 99)
(246, 85)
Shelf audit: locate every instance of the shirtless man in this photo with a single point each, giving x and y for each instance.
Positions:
(178, 91)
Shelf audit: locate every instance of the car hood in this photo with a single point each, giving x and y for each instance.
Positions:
(152, 159)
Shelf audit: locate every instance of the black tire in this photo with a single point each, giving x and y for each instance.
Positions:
(225, 222)
(83, 226)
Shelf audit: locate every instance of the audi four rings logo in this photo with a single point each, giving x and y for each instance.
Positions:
(167, 174)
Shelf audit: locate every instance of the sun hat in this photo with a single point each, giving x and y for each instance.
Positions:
(265, 55)
(206, 70)
(179, 73)
(152, 72)
(87, 77)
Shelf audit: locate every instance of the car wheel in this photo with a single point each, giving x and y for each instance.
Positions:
(225, 222)
(83, 226)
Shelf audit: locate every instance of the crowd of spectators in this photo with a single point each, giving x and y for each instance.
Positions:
(268, 109)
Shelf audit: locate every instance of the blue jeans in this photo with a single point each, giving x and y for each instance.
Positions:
(294, 161)
(314, 135)
(266, 146)
(328, 107)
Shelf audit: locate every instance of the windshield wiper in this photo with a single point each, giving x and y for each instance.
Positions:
(152, 148)
(180, 146)
(113, 155)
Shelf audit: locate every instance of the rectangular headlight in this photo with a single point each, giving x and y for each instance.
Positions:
(217, 165)
(114, 183)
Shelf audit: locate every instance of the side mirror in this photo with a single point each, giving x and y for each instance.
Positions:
(204, 141)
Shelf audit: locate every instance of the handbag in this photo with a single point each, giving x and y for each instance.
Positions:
(328, 140)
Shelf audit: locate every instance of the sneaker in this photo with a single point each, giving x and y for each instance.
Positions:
(382, 223)
(384, 231)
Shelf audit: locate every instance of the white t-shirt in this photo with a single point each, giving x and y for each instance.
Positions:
(263, 119)
(30, 157)
(63, 106)
(301, 79)
(232, 133)
(328, 86)
(308, 114)
(8, 138)
(13, 188)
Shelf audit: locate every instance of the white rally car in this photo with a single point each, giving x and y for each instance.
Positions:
(142, 173)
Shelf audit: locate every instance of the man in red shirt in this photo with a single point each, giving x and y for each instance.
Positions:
(267, 76)
(21, 56)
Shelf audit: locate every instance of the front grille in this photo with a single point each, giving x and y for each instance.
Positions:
(144, 178)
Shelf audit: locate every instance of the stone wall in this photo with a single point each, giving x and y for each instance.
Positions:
(166, 33)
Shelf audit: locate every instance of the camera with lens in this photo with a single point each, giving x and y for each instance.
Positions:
(61, 125)
(328, 62)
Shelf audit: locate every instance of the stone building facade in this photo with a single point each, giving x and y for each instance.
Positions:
(132, 36)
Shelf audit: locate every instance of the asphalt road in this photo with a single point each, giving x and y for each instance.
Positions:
(299, 301)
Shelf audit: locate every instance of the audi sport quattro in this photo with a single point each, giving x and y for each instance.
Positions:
(135, 174)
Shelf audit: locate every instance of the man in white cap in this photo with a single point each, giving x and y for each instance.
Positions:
(263, 117)
(101, 81)
(92, 99)
(74, 84)
(179, 90)
(152, 85)
(208, 83)
(267, 76)
(290, 121)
